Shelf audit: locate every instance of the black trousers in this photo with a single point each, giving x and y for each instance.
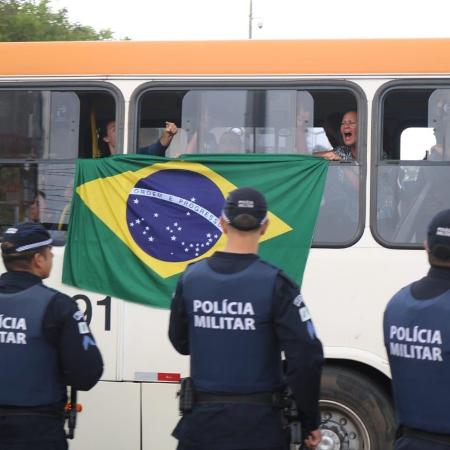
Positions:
(34, 432)
(412, 443)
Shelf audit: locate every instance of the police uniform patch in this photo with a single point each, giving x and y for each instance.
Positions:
(78, 315)
(304, 314)
(83, 328)
(298, 300)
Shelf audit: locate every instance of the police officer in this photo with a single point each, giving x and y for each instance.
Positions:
(233, 314)
(417, 339)
(45, 345)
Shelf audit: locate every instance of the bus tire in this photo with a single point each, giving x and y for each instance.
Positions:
(356, 414)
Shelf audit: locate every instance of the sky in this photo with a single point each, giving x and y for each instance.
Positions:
(271, 19)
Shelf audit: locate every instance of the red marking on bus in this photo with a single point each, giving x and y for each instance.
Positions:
(162, 376)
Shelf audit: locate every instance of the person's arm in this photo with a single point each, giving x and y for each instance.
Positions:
(178, 324)
(329, 155)
(159, 147)
(156, 149)
(79, 357)
(303, 350)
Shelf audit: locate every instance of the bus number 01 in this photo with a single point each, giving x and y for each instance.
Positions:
(87, 310)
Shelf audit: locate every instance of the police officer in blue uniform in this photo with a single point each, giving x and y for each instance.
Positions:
(45, 345)
(233, 314)
(417, 339)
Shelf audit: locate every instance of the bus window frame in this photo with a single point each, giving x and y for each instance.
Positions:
(377, 149)
(69, 86)
(294, 84)
(74, 86)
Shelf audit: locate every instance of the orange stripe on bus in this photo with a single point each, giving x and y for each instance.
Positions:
(315, 57)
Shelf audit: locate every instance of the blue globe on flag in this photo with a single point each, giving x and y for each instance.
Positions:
(173, 215)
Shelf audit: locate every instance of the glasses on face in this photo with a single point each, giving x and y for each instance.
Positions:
(350, 124)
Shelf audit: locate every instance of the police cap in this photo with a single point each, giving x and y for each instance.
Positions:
(438, 235)
(245, 209)
(25, 237)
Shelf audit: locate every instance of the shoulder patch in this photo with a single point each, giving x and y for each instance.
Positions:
(83, 328)
(304, 314)
(298, 300)
(78, 315)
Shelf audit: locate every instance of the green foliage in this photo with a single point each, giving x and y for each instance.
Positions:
(33, 20)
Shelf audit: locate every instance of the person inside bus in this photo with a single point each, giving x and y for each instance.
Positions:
(349, 133)
(230, 142)
(37, 205)
(107, 140)
(436, 152)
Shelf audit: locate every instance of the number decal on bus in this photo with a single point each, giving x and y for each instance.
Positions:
(87, 309)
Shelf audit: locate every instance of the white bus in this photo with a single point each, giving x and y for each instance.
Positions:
(274, 97)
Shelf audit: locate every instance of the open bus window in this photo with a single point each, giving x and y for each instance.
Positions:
(232, 121)
(413, 175)
(272, 120)
(42, 133)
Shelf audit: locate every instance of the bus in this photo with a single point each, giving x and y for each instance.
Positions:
(266, 97)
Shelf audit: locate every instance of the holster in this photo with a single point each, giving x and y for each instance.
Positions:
(290, 417)
(186, 396)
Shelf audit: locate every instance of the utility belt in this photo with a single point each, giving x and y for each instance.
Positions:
(420, 434)
(66, 413)
(188, 397)
(24, 411)
(282, 400)
(258, 398)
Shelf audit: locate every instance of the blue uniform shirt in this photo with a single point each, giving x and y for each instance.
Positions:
(417, 339)
(64, 330)
(268, 299)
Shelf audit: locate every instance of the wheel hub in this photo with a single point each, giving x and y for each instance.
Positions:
(330, 441)
(334, 436)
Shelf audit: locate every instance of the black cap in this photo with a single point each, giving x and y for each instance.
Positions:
(25, 237)
(245, 209)
(438, 235)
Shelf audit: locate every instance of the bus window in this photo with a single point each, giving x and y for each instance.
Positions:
(413, 174)
(273, 120)
(42, 133)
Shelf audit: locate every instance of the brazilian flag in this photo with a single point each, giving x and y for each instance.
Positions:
(137, 221)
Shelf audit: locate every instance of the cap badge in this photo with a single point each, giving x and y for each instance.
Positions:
(246, 204)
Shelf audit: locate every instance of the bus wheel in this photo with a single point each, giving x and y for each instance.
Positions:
(355, 413)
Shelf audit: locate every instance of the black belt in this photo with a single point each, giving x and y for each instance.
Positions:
(19, 411)
(419, 434)
(258, 398)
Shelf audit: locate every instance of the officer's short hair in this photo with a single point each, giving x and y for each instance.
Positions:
(20, 242)
(438, 236)
(245, 209)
